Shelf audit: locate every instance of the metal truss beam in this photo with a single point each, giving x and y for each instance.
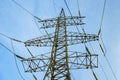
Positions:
(70, 21)
(77, 60)
(72, 38)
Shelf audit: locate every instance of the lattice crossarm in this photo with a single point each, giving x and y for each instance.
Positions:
(77, 38)
(72, 38)
(40, 41)
(70, 21)
(83, 61)
(35, 64)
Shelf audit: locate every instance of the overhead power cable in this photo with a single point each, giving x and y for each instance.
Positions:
(5, 35)
(103, 12)
(79, 13)
(23, 8)
(78, 8)
(11, 52)
(70, 13)
(99, 33)
(28, 13)
(44, 30)
(103, 72)
(111, 68)
(54, 6)
(7, 49)
(37, 26)
(16, 62)
(40, 30)
(31, 15)
(68, 7)
(11, 38)
(18, 68)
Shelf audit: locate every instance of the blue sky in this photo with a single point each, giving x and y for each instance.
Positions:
(17, 23)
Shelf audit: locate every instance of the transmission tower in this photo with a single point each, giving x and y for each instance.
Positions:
(60, 60)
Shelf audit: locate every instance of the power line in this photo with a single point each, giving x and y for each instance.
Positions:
(102, 18)
(7, 49)
(37, 26)
(103, 12)
(78, 8)
(103, 71)
(101, 22)
(22, 7)
(18, 68)
(13, 53)
(74, 20)
(99, 63)
(54, 6)
(31, 15)
(5, 35)
(68, 7)
(111, 68)
(79, 13)
(71, 14)
(16, 40)
(16, 62)
(28, 13)
(41, 31)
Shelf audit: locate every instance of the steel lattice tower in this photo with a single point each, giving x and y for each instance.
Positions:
(61, 61)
